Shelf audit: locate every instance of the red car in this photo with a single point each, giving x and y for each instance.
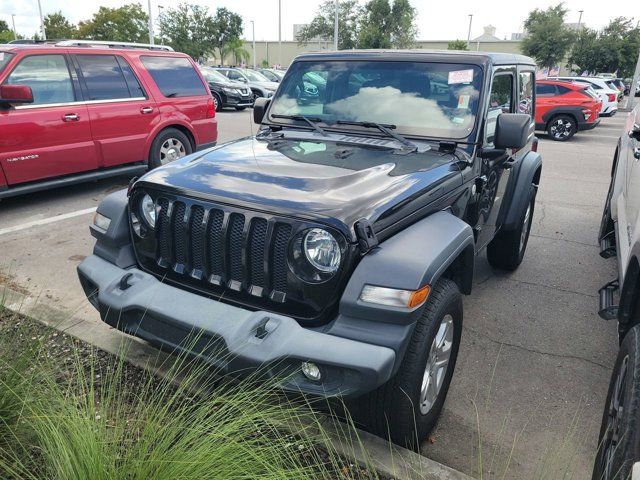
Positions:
(82, 110)
(564, 108)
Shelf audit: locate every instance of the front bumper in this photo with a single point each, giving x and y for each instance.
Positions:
(238, 341)
(588, 125)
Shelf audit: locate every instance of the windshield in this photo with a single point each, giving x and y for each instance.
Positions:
(255, 76)
(423, 99)
(212, 75)
(4, 59)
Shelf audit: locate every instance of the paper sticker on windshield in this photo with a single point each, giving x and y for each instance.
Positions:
(463, 101)
(460, 76)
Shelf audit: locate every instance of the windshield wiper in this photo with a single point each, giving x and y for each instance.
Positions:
(301, 118)
(386, 129)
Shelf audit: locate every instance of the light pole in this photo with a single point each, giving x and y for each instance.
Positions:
(579, 19)
(160, 7)
(44, 34)
(13, 22)
(335, 28)
(150, 24)
(253, 41)
(280, 33)
(469, 32)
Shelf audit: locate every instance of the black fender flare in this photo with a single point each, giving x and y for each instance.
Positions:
(114, 244)
(525, 172)
(575, 112)
(417, 256)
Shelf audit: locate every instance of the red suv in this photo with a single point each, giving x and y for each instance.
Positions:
(81, 110)
(563, 108)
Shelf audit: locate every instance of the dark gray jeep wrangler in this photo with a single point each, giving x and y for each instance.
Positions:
(331, 249)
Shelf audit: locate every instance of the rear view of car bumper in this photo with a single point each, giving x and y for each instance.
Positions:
(238, 341)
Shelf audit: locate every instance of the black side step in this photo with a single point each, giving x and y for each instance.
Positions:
(72, 179)
(608, 245)
(608, 310)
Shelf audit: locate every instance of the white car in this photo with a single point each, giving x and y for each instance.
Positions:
(608, 95)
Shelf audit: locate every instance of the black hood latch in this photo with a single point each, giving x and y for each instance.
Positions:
(367, 238)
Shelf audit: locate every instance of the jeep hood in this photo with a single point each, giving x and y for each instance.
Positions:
(328, 181)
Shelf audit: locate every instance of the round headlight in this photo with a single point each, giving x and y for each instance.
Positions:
(148, 210)
(322, 250)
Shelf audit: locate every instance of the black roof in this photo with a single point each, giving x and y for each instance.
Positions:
(495, 58)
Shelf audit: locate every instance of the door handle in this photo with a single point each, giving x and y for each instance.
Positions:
(70, 117)
(146, 110)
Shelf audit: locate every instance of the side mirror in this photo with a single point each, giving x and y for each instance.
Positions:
(635, 131)
(11, 94)
(512, 130)
(260, 108)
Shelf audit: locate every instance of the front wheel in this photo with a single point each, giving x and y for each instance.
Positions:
(619, 440)
(407, 407)
(506, 250)
(561, 128)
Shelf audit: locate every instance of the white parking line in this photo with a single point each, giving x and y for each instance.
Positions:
(45, 221)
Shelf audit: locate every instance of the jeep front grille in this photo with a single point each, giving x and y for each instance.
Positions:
(240, 251)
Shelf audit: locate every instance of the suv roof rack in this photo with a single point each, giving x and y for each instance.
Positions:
(109, 44)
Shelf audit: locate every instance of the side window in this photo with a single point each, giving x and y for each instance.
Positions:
(135, 89)
(103, 77)
(174, 76)
(48, 77)
(500, 101)
(562, 90)
(233, 75)
(543, 90)
(525, 104)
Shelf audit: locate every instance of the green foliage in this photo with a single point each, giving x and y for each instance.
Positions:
(388, 26)
(548, 39)
(322, 25)
(4, 26)
(379, 24)
(189, 29)
(457, 45)
(57, 26)
(6, 34)
(128, 23)
(615, 48)
(193, 30)
(265, 63)
(235, 49)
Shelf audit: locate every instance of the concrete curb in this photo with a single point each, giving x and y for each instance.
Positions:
(364, 448)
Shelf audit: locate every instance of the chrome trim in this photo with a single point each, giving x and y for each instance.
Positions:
(82, 102)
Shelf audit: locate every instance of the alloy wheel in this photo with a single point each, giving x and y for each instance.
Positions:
(561, 128)
(613, 434)
(526, 225)
(437, 364)
(171, 150)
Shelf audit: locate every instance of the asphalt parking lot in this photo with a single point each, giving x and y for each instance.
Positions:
(535, 360)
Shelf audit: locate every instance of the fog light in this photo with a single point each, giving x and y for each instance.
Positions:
(311, 371)
(101, 221)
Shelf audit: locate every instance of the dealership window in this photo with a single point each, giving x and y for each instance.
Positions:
(48, 77)
(525, 104)
(104, 77)
(174, 76)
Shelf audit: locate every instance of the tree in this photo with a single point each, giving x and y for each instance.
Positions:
(457, 45)
(227, 28)
(6, 35)
(614, 49)
(128, 23)
(57, 26)
(235, 49)
(189, 29)
(322, 25)
(548, 39)
(387, 26)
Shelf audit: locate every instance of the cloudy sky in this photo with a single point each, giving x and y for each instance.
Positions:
(436, 20)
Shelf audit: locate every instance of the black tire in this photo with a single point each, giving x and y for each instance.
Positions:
(506, 250)
(619, 439)
(394, 410)
(561, 128)
(217, 102)
(240, 108)
(255, 95)
(168, 138)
